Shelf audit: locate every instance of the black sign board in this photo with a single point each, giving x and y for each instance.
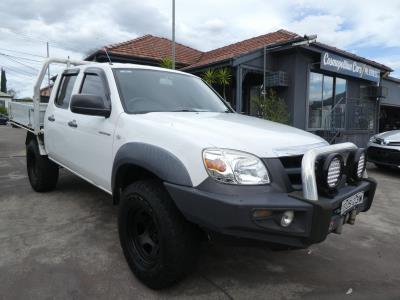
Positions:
(346, 66)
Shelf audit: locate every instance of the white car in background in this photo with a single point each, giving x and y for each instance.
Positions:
(384, 149)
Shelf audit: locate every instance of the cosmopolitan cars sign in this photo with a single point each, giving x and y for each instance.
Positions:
(339, 64)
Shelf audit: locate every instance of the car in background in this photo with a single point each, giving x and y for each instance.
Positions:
(3, 119)
(384, 149)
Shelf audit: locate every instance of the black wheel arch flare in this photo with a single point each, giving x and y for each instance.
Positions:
(155, 160)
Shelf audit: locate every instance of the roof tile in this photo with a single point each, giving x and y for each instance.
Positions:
(153, 47)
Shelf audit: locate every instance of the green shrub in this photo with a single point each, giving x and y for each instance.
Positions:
(3, 110)
(166, 63)
(271, 107)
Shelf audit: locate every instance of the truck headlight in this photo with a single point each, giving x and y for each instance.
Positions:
(235, 167)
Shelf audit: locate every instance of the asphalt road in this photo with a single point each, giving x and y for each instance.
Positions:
(64, 245)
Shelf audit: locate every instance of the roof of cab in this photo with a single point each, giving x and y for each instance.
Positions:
(131, 66)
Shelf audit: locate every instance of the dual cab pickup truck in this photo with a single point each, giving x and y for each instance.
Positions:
(183, 166)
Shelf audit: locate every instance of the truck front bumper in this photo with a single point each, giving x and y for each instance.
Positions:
(229, 210)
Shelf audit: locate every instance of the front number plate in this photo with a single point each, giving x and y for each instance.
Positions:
(351, 202)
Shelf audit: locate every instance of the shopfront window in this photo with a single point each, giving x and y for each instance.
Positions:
(362, 112)
(339, 111)
(326, 102)
(314, 100)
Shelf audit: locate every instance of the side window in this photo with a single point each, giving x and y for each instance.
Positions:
(65, 90)
(93, 84)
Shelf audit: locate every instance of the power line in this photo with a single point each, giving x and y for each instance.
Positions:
(16, 73)
(19, 69)
(18, 62)
(20, 57)
(16, 70)
(26, 36)
(21, 52)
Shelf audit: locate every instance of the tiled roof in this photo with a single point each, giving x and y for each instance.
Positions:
(243, 47)
(153, 47)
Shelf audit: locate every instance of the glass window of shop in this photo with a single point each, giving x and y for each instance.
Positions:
(326, 102)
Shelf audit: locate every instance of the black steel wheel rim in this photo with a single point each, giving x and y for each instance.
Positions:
(143, 234)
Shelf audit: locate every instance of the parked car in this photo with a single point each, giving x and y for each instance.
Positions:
(3, 119)
(384, 149)
(184, 167)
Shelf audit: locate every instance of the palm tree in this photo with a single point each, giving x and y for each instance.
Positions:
(210, 76)
(224, 78)
(166, 63)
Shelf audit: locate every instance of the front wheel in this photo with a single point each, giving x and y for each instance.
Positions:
(42, 172)
(160, 246)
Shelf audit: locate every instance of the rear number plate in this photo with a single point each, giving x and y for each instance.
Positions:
(350, 203)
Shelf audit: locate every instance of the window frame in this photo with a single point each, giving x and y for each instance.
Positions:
(122, 100)
(333, 98)
(68, 72)
(103, 78)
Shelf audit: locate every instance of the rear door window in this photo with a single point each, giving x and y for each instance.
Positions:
(65, 91)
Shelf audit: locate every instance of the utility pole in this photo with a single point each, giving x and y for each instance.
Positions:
(48, 68)
(173, 34)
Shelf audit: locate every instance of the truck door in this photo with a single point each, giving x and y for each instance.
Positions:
(57, 117)
(90, 138)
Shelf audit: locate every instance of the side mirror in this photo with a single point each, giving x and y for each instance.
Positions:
(89, 104)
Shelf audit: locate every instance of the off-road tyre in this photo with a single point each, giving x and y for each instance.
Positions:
(160, 246)
(42, 172)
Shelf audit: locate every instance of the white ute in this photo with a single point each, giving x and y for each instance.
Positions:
(184, 167)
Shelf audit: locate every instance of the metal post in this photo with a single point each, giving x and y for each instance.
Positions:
(265, 69)
(48, 68)
(173, 34)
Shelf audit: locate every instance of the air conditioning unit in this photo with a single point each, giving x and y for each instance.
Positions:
(277, 79)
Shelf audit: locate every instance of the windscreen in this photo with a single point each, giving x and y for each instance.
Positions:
(144, 91)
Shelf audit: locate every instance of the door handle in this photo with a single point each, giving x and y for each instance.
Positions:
(72, 124)
(51, 118)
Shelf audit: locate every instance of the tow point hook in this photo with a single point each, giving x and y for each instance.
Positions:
(352, 218)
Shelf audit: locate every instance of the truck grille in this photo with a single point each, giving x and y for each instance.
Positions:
(292, 166)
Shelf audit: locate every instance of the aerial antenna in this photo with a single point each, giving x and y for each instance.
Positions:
(108, 56)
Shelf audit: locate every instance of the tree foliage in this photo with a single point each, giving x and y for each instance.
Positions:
(166, 63)
(272, 107)
(224, 78)
(3, 81)
(3, 110)
(210, 76)
(220, 77)
(13, 93)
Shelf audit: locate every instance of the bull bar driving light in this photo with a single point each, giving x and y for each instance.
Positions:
(331, 172)
(356, 163)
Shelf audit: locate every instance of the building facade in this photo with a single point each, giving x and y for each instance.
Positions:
(390, 105)
(5, 99)
(327, 91)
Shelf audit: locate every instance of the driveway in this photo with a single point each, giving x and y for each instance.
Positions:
(64, 245)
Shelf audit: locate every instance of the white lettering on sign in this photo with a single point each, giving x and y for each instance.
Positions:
(349, 67)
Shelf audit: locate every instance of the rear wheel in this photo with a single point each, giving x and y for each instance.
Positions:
(160, 246)
(42, 172)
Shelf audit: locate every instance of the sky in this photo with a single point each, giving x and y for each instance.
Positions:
(74, 28)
